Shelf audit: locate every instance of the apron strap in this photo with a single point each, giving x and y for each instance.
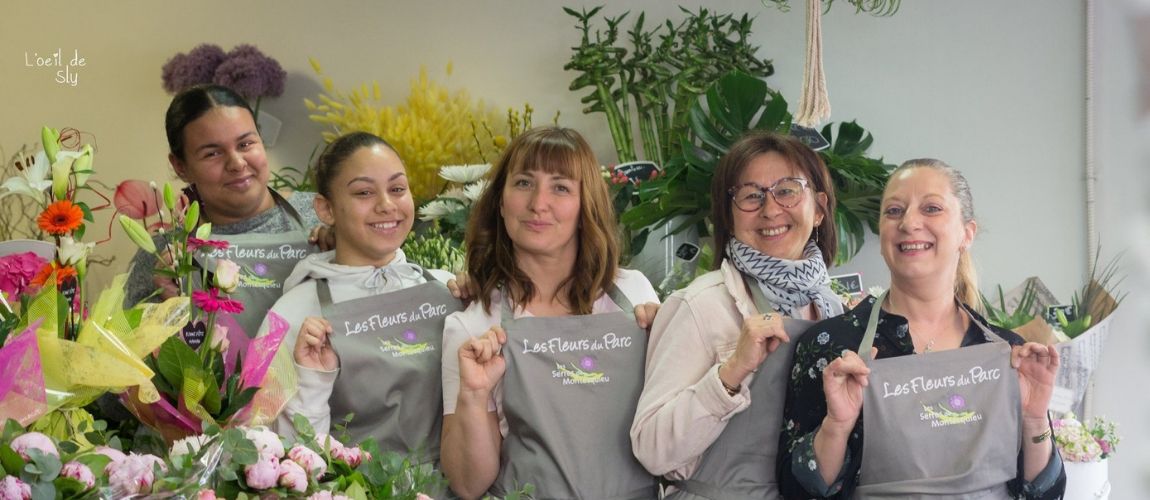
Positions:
(762, 305)
(323, 293)
(699, 488)
(872, 325)
(287, 206)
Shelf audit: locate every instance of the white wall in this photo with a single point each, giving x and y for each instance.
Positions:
(995, 88)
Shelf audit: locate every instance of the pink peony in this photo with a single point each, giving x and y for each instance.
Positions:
(135, 473)
(79, 472)
(33, 440)
(266, 441)
(308, 459)
(264, 473)
(206, 495)
(328, 442)
(12, 488)
(352, 456)
(292, 476)
(17, 271)
(112, 453)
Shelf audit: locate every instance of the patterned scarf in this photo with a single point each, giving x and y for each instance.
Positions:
(788, 284)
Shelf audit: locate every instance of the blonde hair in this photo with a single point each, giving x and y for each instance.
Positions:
(966, 279)
(491, 253)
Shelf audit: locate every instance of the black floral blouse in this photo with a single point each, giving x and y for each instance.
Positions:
(806, 405)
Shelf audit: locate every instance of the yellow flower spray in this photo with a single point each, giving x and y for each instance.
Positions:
(432, 128)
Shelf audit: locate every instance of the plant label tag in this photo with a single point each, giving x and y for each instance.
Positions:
(194, 334)
(68, 289)
(811, 137)
(1061, 400)
(852, 283)
(638, 171)
(1051, 314)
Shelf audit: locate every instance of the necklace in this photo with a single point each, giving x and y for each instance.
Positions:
(930, 342)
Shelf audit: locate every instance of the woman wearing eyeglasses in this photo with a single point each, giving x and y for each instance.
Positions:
(709, 416)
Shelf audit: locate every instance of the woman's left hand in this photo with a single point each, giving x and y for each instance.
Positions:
(322, 236)
(645, 314)
(1037, 365)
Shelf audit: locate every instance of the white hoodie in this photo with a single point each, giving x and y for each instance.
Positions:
(299, 301)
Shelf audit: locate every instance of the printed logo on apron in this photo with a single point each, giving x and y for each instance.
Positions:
(265, 260)
(569, 395)
(389, 379)
(940, 423)
(740, 464)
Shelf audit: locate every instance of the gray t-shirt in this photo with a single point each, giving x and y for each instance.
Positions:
(274, 220)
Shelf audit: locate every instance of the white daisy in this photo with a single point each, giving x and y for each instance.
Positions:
(464, 174)
(475, 190)
(437, 209)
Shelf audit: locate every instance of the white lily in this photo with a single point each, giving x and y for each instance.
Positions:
(32, 181)
(72, 253)
(464, 174)
(61, 170)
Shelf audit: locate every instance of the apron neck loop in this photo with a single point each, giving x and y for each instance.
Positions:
(291, 211)
(323, 293)
(762, 304)
(616, 295)
(872, 325)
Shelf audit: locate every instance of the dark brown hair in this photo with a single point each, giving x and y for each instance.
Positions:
(327, 166)
(804, 160)
(491, 258)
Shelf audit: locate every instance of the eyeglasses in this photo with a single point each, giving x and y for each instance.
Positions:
(788, 193)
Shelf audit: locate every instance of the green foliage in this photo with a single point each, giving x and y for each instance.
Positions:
(431, 249)
(1022, 314)
(1096, 299)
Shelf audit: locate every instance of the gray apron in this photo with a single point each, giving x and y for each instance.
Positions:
(940, 424)
(740, 464)
(569, 395)
(389, 356)
(265, 260)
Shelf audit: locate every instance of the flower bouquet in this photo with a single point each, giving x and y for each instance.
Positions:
(82, 351)
(201, 375)
(1084, 447)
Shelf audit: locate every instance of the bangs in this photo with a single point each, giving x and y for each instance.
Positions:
(551, 155)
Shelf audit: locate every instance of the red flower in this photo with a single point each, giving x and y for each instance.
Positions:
(62, 273)
(196, 244)
(210, 302)
(60, 218)
(136, 199)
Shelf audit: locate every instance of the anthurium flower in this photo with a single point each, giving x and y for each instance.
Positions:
(61, 217)
(138, 234)
(136, 199)
(72, 253)
(227, 275)
(32, 181)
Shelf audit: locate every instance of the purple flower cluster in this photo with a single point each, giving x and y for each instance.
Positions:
(245, 69)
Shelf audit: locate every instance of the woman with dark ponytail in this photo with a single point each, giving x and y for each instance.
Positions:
(215, 147)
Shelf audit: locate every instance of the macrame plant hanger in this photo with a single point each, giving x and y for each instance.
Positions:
(814, 104)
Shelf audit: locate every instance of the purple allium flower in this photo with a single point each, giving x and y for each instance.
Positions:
(587, 363)
(409, 336)
(251, 73)
(260, 269)
(196, 67)
(956, 402)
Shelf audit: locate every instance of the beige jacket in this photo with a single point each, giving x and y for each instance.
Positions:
(684, 407)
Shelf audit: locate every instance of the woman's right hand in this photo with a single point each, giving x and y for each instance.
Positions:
(481, 363)
(843, 382)
(761, 334)
(313, 345)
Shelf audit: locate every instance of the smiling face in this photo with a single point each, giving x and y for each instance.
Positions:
(370, 207)
(541, 213)
(921, 230)
(224, 158)
(773, 229)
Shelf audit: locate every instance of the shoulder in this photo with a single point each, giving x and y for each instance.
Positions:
(1007, 335)
(304, 203)
(635, 286)
(441, 275)
(474, 320)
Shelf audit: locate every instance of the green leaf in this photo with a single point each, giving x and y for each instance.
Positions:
(46, 465)
(178, 362)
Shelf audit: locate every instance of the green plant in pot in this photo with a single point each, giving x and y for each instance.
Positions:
(733, 105)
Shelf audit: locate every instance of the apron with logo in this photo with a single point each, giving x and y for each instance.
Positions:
(569, 395)
(389, 356)
(740, 464)
(265, 260)
(940, 424)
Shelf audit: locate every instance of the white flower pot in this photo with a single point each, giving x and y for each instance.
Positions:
(1087, 480)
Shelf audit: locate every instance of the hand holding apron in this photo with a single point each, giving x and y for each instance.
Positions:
(481, 363)
(313, 345)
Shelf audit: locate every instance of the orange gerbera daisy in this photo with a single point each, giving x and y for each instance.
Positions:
(60, 218)
(62, 273)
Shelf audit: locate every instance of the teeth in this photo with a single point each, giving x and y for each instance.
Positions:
(385, 225)
(906, 247)
(773, 232)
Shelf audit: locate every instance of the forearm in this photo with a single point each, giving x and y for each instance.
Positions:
(830, 446)
(1035, 456)
(469, 450)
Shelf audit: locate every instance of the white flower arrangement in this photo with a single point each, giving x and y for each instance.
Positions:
(1092, 441)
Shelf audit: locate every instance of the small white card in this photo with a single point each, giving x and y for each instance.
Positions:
(1061, 400)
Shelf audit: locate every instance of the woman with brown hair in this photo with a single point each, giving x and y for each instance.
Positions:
(712, 401)
(542, 371)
